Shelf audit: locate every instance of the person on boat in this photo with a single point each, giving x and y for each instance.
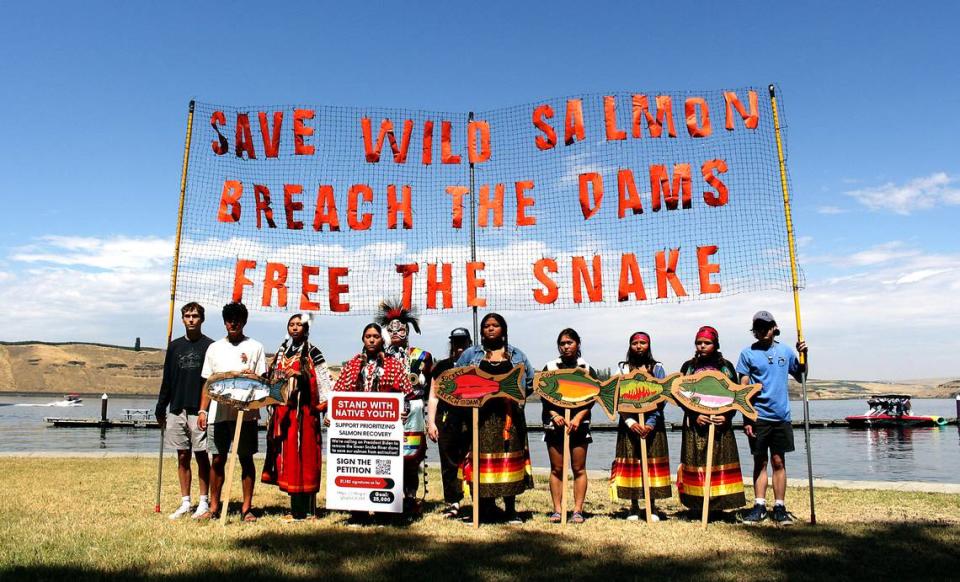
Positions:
(233, 353)
(505, 455)
(769, 363)
(626, 474)
(294, 450)
(418, 365)
(448, 426)
(554, 427)
(180, 389)
(726, 480)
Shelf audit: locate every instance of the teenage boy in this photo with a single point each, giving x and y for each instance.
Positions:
(180, 389)
(768, 363)
(234, 353)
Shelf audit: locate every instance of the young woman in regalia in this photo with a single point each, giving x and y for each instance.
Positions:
(626, 475)
(372, 370)
(504, 454)
(726, 479)
(554, 425)
(294, 451)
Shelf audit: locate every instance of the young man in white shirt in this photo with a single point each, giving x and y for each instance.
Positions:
(234, 353)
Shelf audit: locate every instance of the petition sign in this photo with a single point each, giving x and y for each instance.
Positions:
(365, 452)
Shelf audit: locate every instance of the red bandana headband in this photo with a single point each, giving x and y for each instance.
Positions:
(707, 332)
(644, 335)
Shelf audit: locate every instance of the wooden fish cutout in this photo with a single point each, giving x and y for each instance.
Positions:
(574, 387)
(245, 391)
(470, 387)
(712, 392)
(641, 392)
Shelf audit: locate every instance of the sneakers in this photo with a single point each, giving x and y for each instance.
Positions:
(181, 511)
(755, 515)
(781, 516)
(201, 509)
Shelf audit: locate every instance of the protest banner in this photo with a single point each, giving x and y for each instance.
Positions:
(588, 201)
(364, 454)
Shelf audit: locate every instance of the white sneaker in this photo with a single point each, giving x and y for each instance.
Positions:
(633, 517)
(201, 509)
(654, 517)
(181, 511)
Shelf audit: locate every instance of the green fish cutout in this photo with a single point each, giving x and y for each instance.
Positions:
(711, 392)
(641, 392)
(572, 388)
(470, 387)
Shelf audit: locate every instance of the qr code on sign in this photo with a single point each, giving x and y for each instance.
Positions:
(383, 467)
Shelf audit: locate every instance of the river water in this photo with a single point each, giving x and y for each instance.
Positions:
(918, 454)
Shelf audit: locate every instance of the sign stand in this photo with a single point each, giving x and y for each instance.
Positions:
(476, 467)
(566, 461)
(706, 477)
(644, 464)
(231, 465)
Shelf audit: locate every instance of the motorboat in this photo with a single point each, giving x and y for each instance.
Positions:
(892, 410)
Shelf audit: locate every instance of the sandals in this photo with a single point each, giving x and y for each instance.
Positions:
(555, 517)
(248, 517)
(577, 517)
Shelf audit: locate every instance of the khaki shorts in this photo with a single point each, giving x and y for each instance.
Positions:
(183, 434)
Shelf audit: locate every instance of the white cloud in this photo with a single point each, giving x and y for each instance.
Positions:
(921, 193)
(123, 253)
(831, 210)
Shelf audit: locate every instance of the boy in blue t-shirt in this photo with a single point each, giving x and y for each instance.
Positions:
(767, 362)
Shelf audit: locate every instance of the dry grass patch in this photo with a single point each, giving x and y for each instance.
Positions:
(93, 519)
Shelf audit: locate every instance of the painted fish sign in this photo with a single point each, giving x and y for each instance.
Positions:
(711, 392)
(640, 392)
(470, 387)
(245, 391)
(572, 388)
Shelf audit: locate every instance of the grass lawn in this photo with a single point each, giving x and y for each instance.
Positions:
(93, 519)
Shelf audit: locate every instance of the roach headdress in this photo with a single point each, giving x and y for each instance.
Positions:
(391, 309)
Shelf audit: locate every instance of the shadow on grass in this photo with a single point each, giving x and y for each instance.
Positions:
(868, 551)
(884, 551)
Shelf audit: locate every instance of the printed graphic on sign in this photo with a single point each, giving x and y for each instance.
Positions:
(364, 453)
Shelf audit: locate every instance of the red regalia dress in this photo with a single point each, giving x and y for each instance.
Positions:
(294, 454)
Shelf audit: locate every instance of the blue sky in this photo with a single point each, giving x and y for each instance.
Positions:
(94, 105)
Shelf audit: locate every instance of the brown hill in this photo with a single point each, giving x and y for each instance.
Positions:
(82, 368)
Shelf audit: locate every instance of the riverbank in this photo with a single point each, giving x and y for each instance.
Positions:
(93, 518)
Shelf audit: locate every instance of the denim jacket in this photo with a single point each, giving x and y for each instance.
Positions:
(474, 355)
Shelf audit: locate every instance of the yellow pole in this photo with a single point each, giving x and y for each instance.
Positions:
(791, 244)
(173, 278)
(176, 244)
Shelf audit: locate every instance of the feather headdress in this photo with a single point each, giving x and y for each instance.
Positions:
(391, 309)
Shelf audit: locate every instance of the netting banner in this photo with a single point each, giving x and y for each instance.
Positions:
(587, 201)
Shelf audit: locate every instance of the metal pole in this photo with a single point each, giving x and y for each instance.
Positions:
(173, 275)
(473, 239)
(791, 244)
